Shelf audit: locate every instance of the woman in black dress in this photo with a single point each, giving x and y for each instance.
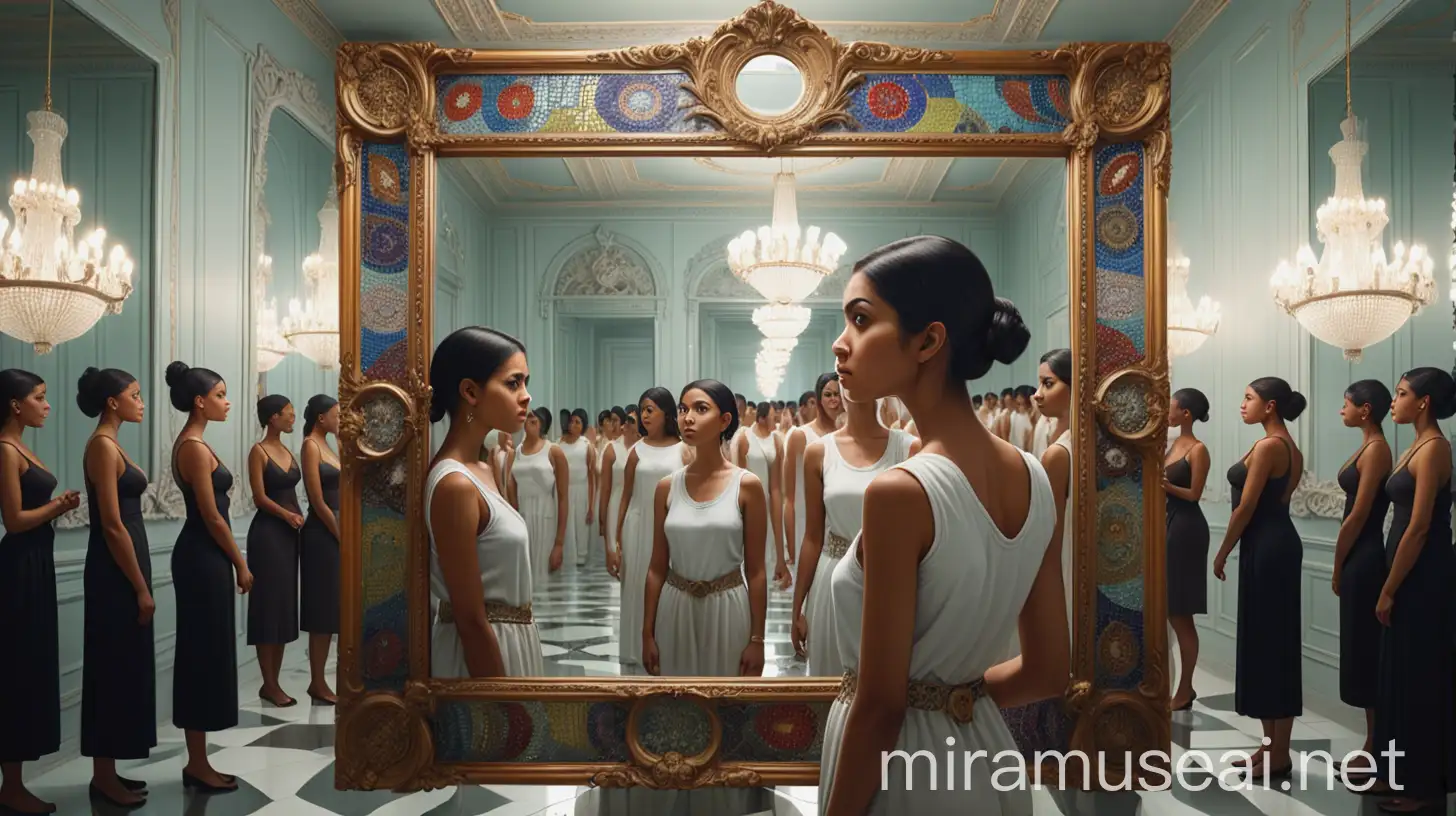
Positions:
(273, 546)
(1413, 707)
(1267, 680)
(1185, 472)
(119, 670)
(1360, 548)
(205, 565)
(319, 546)
(30, 699)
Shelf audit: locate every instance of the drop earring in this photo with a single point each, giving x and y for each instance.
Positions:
(470, 417)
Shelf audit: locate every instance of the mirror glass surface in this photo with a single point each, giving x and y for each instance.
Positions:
(617, 276)
(769, 85)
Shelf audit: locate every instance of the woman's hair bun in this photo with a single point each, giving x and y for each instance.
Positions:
(1008, 336)
(176, 373)
(1294, 406)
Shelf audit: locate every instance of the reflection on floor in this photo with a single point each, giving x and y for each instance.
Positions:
(283, 758)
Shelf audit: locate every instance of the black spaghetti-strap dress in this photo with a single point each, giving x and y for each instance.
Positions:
(1361, 579)
(1187, 547)
(119, 669)
(30, 691)
(320, 560)
(1268, 682)
(205, 682)
(1414, 703)
(273, 560)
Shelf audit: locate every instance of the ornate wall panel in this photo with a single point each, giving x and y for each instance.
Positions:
(1102, 107)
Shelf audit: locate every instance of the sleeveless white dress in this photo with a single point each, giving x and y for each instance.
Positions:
(703, 637)
(619, 475)
(762, 455)
(653, 465)
(1065, 443)
(1021, 430)
(844, 490)
(972, 585)
(810, 436)
(503, 551)
(579, 534)
(536, 493)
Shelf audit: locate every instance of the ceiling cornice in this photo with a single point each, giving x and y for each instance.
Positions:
(1196, 20)
(312, 22)
(482, 22)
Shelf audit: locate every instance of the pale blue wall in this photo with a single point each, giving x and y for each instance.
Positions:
(1242, 199)
(522, 251)
(1033, 267)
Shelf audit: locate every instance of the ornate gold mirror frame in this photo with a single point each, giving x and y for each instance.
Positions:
(1103, 107)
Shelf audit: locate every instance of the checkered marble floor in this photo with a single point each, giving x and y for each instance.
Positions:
(283, 758)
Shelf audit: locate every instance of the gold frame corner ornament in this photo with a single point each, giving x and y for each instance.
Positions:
(1116, 93)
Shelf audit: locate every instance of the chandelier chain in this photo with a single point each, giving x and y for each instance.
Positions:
(50, 46)
(1349, 101)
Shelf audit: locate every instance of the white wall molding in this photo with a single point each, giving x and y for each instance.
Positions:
(312, 22)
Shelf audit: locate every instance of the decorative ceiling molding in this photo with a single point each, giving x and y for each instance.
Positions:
(312, 22)
(479, 22)
(616, 182)
(1199, 16)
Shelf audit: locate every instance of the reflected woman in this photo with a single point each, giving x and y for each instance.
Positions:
(119, 672)
(837, 470)
(1054, 395)
(1360, 570)
(1413, 709)
(947, 539)
(758, 450)
(1185, 472)
(319, 542)
(614, 470)
(205, 565)
(480, 550)
(581, 463)
(827, 407)
(659, 453)
(538, 489)
(30, 693)
(273, 546)
(1267, 679)
(706, 599)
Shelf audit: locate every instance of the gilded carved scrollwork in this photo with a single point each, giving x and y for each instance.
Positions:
(378, 419)
(1120, 724)
(831, 70)
(385, 91)
(1118, 89)
(384, 744)
(1132, 405)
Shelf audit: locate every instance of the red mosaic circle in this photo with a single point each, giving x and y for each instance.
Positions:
(1119, 174)
(888, 100)
(383, 654)
(786, 727)
(462, 101)
(519, 729)
(516, 101)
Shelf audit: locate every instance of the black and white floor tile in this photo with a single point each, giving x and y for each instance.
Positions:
(283, 758)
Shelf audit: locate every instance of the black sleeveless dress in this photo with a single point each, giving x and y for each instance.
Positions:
(273, 560)
(30, 691)
(205, 681)
(320, 560)
(1414, 703)
(1267, 672)
(1361, 579)
(119, 669)
(1187, 547)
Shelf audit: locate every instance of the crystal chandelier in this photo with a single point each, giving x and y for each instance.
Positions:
(271, 346)
(312, 327)
(53, 288)
(1352, 296)
(783, 262)
(1188, 327)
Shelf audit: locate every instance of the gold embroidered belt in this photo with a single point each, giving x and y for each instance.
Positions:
(494, 613)
(702, 589)
(835, 547)
(956, 702)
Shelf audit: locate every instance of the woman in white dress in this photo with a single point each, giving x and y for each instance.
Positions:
(539, 490)
(826, 410)
(582, 478)
(1005, 407)
(480, 557)
(657, 454)
(613, 472)
(758, 450)
(707, 594)
(837, 471)
(958, 547)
